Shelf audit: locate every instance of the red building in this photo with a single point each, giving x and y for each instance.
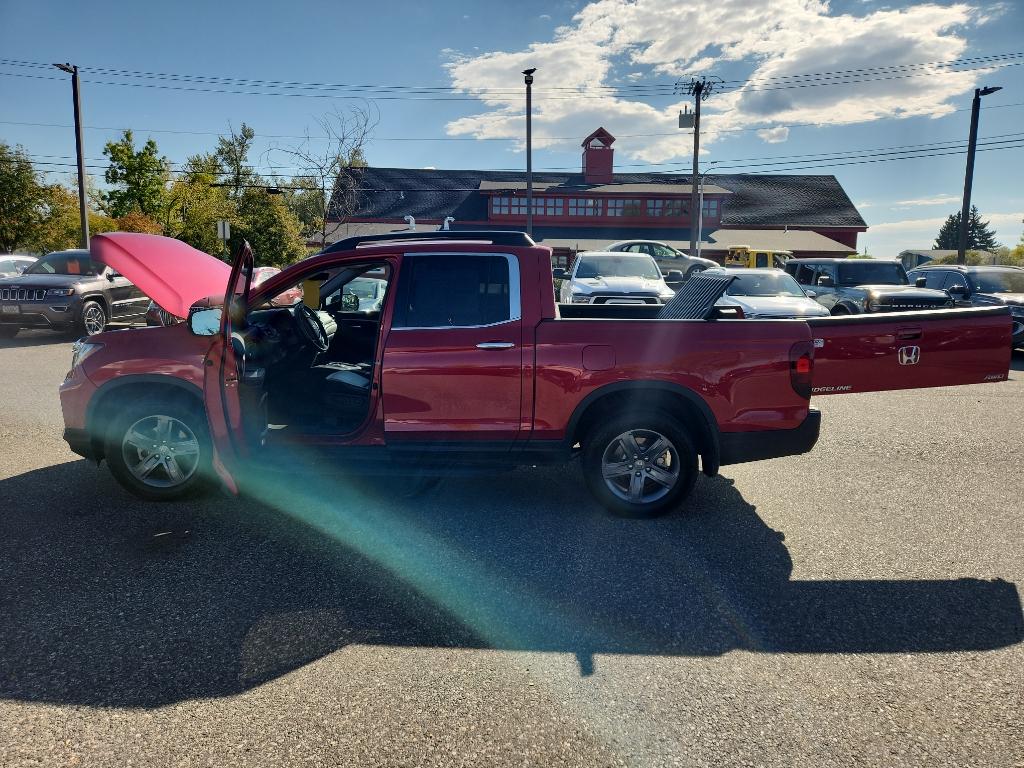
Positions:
(808, 215)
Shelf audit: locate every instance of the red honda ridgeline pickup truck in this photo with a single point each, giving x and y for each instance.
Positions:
(446, 352)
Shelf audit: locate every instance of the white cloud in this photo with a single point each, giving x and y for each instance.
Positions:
(773, 38)
(887, 239)
(774, 135)
(545, 17)
(921, 202)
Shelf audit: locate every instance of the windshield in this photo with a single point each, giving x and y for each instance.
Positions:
(65, 264)
(764, 285)
(618, 266)
(998, 282)
(866, 272)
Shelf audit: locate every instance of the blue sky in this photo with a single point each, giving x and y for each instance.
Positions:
(602, 56)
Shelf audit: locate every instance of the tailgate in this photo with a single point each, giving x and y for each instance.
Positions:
(909, 350)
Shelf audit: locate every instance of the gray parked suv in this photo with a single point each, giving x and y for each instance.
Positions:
(856, 286)
(67, 291)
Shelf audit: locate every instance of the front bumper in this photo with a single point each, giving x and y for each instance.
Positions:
(39, 314)
(740, 447)
(79, 442)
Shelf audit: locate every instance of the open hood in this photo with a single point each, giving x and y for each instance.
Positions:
(172, 273)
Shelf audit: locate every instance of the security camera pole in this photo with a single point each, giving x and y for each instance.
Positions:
(82, 210)
(529, 149)
(965, 212)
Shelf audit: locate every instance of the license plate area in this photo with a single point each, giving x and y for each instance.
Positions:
(10, 309)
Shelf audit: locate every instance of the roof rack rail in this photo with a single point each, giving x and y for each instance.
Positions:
(497, 237)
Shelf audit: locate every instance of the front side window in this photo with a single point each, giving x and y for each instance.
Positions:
(65, 264)
(664, 252)
(954, 279)
(805, 274)
(998, 282)
(455, 291)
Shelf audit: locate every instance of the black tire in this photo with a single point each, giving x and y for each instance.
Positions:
(839, 309)
(160, 484)
(94, 318)
(603, 442)
(693, 271)
(8, 331)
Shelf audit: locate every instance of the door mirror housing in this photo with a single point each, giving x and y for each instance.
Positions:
(349, 302)
(559, 274)
(826, 281)
(204, 321)
(811, 294)
(920, 282)
(674, 276)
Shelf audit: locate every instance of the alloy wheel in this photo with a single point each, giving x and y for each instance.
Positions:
(93, 319)
(640, 466)
(160, 451)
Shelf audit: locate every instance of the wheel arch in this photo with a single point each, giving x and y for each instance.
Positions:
(678, 400)
(103, 405)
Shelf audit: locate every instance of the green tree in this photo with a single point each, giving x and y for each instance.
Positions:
(194, 204)
(979, 236)
(138, 178)
(22, 199)
(233, 155)
(61, 225)
(270, 227)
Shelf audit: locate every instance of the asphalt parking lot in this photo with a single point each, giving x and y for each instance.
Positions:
(858, 605)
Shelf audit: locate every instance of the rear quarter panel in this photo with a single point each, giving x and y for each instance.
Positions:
(740, 368)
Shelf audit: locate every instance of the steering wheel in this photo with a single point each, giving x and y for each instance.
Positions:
(311, 327)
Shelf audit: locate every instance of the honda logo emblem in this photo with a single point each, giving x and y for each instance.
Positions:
(910, 355)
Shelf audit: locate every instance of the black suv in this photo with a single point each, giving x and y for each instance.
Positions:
(855, 286)
(982, 286)
(68, 291)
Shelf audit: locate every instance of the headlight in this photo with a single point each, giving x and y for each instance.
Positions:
(81, 350)
(60, 291)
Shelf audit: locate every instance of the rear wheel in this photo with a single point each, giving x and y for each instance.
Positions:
(159, 449)
(639, 466)
(694, 270)
(94, 318)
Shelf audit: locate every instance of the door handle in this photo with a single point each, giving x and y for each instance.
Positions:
(908, 333)
(495, 345)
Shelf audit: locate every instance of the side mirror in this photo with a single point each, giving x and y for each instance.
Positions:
(674, 276)
(921, 282)
(826, 281)
(957, 290)
(349, 302)
(111, 274)
(204, 322)
(810, 294)
(559, 274)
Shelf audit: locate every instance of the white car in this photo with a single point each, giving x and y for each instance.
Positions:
(768, 293)
(13, 264)
(603, 277)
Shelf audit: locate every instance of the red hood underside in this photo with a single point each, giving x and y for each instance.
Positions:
(172, 273)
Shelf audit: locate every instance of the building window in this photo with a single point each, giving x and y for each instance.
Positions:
(547, 206)
(621, 207)
(500, 205)
(710, 209)
(584, 206)
(665, 208)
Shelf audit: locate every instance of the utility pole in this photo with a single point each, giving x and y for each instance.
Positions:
(700, 90)
(82, 210)
(965, 211)
(529, 149)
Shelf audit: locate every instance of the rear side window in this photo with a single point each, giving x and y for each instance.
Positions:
(456, 291)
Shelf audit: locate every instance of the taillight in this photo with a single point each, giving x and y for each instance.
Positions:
(801, 368)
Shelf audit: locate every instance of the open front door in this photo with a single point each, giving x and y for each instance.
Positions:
(910, 350)
(223, 370)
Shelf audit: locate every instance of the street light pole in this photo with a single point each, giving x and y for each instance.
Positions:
(700, 208)
(529, 149)
(698, 90)
(76, 94)
(965, 211)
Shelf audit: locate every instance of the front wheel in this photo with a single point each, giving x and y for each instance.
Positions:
(159, 449)
(640, 466)
(94, 318)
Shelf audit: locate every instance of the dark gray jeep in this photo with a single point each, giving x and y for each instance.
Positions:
(68, 291)
(855, 286)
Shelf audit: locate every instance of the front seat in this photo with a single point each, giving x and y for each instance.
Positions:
(346, 386)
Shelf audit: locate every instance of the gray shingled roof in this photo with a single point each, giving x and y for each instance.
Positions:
(757, 200)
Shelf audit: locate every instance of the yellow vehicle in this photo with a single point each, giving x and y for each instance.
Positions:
(745, 256)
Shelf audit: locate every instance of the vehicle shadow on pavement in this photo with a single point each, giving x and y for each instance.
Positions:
(110, 601)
